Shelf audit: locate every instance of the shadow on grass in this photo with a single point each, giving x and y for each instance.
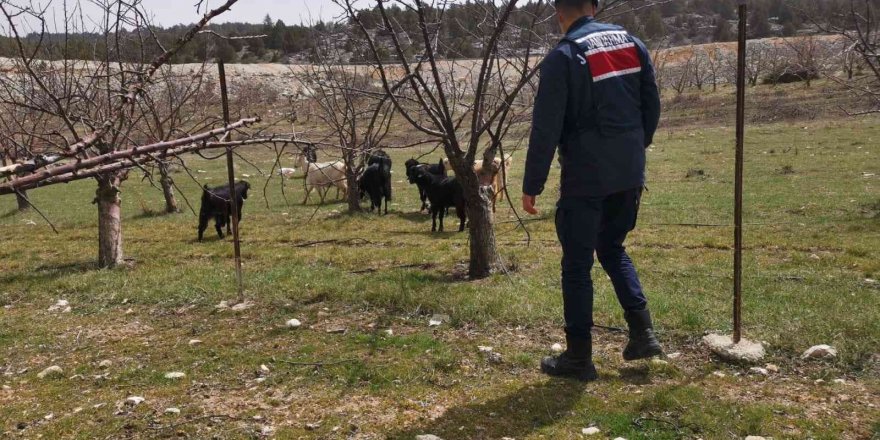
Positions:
(48, 272)
(149, 213)
(414, 217)
(515, 415)
(10, 214)
(636, 375)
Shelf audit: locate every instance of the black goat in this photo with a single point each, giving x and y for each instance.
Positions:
(383, 160)
(412, 165)
(375, 183)
(217, 204)
(443, 192)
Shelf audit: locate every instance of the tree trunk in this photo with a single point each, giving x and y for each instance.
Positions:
(481, 231)
(167, 189)
(484, 253)
(109, 220)
(21, 198)
(354, 192)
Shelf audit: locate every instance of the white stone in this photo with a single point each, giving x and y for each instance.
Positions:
(744, 351)
(267, 431)
(61, 306)
(592, 430)
(53, 371)
(659, 362)
(49, 416)
(264, 368)
(718, 374)
(428, 437)
(312, 426)
(755, 437)
(437, 319)
(175, 375)
(106, 363)
(195, 341)
(172, 410)
(293, 323)
(839, 381)
(484, 349)
(134, 400)
(222, 306)
(619, 438)
(389, 332)
(759, 371)
(494, 358)
(674, 356)
(557, 348)
(772, 368)
(242, 306)
(820, 352)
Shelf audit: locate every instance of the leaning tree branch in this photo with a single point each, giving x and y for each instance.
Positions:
(116, 156)
(132, 161)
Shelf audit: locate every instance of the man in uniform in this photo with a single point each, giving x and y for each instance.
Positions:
(598, 103)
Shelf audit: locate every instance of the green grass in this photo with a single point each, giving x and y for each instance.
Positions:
(812, 240)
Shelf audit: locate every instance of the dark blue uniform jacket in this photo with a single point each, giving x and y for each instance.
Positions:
(598, 102)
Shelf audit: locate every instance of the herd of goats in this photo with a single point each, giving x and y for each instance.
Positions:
(437, 190)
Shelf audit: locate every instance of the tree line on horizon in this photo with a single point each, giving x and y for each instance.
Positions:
(676, 23)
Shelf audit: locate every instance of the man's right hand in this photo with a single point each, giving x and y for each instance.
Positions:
(528, 203)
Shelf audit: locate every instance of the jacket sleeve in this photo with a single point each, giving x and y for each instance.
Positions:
(548, 119)
(650, 96)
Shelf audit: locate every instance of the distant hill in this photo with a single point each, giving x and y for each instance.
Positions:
(677, 23)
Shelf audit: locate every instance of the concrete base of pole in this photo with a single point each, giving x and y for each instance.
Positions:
(744, 352)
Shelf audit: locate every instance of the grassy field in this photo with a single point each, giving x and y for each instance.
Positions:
(813, 249)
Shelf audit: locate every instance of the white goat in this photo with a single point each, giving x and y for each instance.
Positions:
(322, 176)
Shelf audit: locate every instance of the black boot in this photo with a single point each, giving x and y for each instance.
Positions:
(642, 342)
(576, 362)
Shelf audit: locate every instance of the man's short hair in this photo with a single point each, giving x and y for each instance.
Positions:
(575, 4)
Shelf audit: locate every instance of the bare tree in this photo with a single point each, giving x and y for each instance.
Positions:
(18, 137)
(807, 58)
(859, 27)
(355, 110)
(685, 72)
(700, 68)
(714, 63)
(463, 105)
(90, 103)
(759, 56)
(660, 55)
(175, 108)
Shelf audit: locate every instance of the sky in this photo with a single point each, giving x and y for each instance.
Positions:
(171, 12)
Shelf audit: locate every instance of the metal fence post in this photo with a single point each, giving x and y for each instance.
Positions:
(231, 172)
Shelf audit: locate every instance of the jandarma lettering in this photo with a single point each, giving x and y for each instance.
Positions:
(605, 39)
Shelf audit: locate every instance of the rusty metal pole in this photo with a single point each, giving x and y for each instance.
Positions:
(224, 95)
(738, 196)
